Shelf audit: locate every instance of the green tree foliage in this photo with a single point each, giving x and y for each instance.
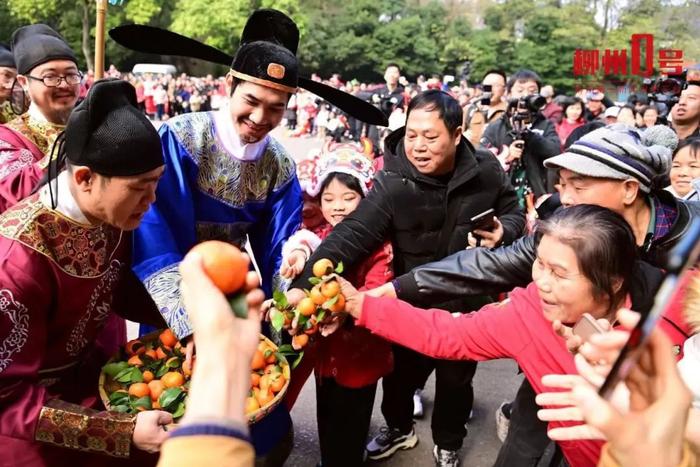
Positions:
(359, 38)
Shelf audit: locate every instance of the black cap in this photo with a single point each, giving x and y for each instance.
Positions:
(6, 57)
(110, 135)
(267, 55)
(36, 44)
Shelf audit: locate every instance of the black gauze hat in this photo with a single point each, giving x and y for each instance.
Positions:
(6, 57)
(267, 54)
(110, 135)
(36, 44)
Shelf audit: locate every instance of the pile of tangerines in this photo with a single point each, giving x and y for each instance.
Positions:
(152, 375)
(152, 372)
(322, 301)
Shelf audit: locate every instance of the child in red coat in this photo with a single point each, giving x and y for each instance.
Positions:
(348, 363)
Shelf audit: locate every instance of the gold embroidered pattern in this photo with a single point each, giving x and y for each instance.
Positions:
(18, 315)
(77, 427)
(78, 250)
(42, 134)
(223, 177)
(164, 288)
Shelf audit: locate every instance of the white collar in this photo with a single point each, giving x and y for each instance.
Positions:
(66, 203)
(36, 114)
(230, 140)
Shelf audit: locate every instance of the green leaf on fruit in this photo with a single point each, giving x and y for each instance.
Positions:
(239, 305)
(321, 314)
(120, 408)
(280, 299)
(314, 280)
(118, 398)
(329, 303)
(144, 402)
(112, 369)
(163, 369)
(179, 410)
(297, 360)
(169, 398)
(277, 319)
(286, 349)
(340, 268)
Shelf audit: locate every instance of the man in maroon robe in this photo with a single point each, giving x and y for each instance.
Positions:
(65, 257)
(48, 72)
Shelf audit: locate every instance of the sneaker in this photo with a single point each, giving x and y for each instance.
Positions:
(445, 458)
(388, 441)
(417, 404)
(503, 421)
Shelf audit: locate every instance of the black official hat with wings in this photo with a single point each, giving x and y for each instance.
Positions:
(266, 56)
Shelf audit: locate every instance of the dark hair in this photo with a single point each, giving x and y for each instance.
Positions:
(581, 131)
(346, 179)
(604, 244)
(693, 143)
(447, 107)
(523, 76)
(390, 64)
(643, 110)
(572, 101)
(495, 71)
(469, 112)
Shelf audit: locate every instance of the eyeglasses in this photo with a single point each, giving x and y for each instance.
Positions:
(70, 79)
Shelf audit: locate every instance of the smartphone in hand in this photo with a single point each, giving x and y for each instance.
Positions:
(484, 221)
(586, 327)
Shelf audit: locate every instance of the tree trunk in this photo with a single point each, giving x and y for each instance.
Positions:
(87, 48)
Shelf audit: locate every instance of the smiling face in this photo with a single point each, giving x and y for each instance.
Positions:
(255, 110)
(685, 168)
(565, 293)
(338, 201)
(55, 103)
(429, 145)
(118, 201)
(574, 112)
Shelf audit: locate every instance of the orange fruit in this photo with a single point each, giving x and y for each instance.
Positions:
(264, 382)
(316, 296)
(151, 353)
(251, 405)
(167, 338)
(306, 307)
(322, 267)
(299, 341)
(330, 289)
(156, 387)
(277, 383)
(258, 362)
(155, 405)
(134, 347)
(270, 356)
(224, 264)
(254, 380)
(160, 353)
(265, 396)
(187, 367)
(173, 379)
(272, 368)
(139, 390)
(135, 360)
(148, 376)
(339, 305)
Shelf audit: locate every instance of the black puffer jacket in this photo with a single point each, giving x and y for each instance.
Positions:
(425, 219)
(488, 271)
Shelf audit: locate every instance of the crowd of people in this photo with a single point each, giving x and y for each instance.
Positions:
(482, 222)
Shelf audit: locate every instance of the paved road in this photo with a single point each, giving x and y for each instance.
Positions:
(494, 382)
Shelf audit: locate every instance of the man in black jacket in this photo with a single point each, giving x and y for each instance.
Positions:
(523, 138)
(432, 184)
(612, 167)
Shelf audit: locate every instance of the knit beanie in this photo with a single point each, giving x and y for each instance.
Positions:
(620, 152)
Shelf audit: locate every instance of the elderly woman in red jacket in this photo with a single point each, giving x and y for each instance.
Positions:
(585, 261)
